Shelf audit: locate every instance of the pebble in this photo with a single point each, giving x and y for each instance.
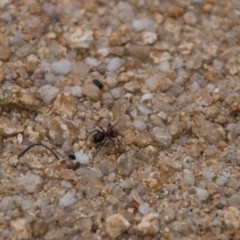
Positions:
(231, 218)
(132, 86)
(14, 96)
(48, 93)
(68, 174)
(76, 91)
(202, 194)
(144, 209)
(154, 181)
(164, 66)
(6, 204)
(194, 62)
(67, 199)
(120, 36)
(64, 105)
(5, 52)
(207, 174)
(93, 62)
(149, 224)
(221, 180)
(189, 177)
(91, 186)
(143, 24)
(116, 225)
(62, 67)
(148, 37)
(66, 184)
(39, 228)
(20, 229)
(116, 93)
(114, 64)
(7, 128)
(82, 158)
(30, 182)
(234, 201)
(91, 91)
(162, 137)
(79, 37)
(139, 125)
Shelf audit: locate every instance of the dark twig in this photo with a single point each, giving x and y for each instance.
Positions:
(38, 144)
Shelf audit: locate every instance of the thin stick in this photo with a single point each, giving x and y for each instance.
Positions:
(38, 144)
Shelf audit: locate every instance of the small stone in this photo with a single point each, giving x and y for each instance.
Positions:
(116, 225)
(116, 93)
(66, 184)
(114, 64)
(61, 129)
(143, 24)
(5, 53)
(144, 208)
(207, 174)
(30, 182)
(132, 86)
(47, 211)
(221, 180)
(7, 128)
(48, 93)
(148, 37)
(154, 181)
(20, 229)
(149, 224)
(194, 62)
(142, 139)
(175, 11)
(231, 218)
(158, 56)
(202, 194)
(91, 91)
(120, 36)
(234, 201)
(79, 37)
(108, 165)
(164, 66)
(6, 204)
(39, 228)
(76, 91)
(93, 62)
(143, 109)
(89, 186)
(139, 125)
(63, 104)
(68, 174)
(137, 51)
(85, 224)
(62, 67)
(4, 3)
(15, 96)
(162, 137)
(189, 177)
(68, 199)
(190, 18)
(82, 158)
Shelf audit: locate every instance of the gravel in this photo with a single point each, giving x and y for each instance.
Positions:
(166, 76)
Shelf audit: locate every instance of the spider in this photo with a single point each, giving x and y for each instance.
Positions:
(101, 136)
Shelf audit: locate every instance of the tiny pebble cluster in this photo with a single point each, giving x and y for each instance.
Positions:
(166, 73)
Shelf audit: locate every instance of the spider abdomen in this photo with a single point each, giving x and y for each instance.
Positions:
(98, 137)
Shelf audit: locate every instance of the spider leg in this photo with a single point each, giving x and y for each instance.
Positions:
(99, 147)
(38, 144)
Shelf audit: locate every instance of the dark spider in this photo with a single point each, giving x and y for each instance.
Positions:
(102, 136)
